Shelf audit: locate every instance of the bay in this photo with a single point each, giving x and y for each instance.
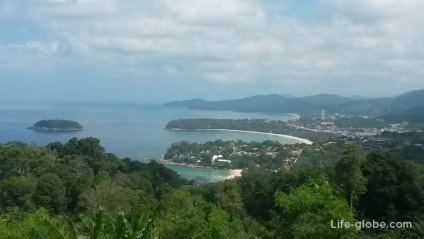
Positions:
(134, 131)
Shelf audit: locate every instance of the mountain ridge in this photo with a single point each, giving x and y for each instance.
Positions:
(276, 103)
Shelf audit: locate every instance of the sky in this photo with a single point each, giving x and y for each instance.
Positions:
(146, 51)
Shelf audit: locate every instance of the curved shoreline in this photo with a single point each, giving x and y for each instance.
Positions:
(187, 165)
(231, 173)
(301, 140)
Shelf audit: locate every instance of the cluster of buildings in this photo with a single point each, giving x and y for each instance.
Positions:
(325, 124)
(224, 155)
(292, 158)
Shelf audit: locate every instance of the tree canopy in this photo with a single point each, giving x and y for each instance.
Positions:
(77, 190)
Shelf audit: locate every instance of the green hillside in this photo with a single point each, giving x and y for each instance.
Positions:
(324, 99)
(407, 100)
(412, 115)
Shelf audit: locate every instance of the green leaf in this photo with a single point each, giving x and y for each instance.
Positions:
(51, 231)
(71, 228)
(88, 223)
(98, 225)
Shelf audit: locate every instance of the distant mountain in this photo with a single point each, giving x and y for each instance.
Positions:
(258, 103)
(289, 95)
(407, 100)
(358, 97)
(307, 104)
(372, 107)
(187, 103)
(324, 99)
(412, 115)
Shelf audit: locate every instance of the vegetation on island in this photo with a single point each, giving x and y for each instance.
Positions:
(77, 190)
(57, 125)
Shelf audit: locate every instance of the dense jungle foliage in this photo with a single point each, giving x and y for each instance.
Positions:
(77, 190)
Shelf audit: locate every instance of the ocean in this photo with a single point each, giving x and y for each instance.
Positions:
(134, 131)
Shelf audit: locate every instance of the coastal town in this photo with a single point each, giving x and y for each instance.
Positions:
(315, 132)
(365, 130)
(234, 155)
(350, 126)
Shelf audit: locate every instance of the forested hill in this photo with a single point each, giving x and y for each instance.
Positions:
(412, 115)
(77, 190)
(329, 102)
(57, 125)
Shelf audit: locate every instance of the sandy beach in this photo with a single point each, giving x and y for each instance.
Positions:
(234, 173)
(301, 140)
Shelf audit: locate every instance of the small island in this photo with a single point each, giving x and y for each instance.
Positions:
(57, 125)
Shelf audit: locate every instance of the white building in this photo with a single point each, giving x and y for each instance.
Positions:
(215, 157)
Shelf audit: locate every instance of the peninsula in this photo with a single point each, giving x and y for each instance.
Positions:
(258, 126)
(57, 125)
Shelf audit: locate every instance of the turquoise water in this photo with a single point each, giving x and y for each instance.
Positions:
(135, 131)
(212, 175)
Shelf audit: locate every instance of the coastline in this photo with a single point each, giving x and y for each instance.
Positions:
(232, 173)
(301, 140)
(55, 129)
(188, 165)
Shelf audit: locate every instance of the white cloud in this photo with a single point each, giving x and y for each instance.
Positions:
(239, 41)
(204, 11)
(30, 57)
(33, 47)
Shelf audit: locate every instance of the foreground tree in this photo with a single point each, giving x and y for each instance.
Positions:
(307, 211)
(18, 224)
(349, 175)
(18, 192)
(394, 189)
(51, 193)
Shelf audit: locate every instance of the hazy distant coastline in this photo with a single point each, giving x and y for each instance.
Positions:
(407, 106)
